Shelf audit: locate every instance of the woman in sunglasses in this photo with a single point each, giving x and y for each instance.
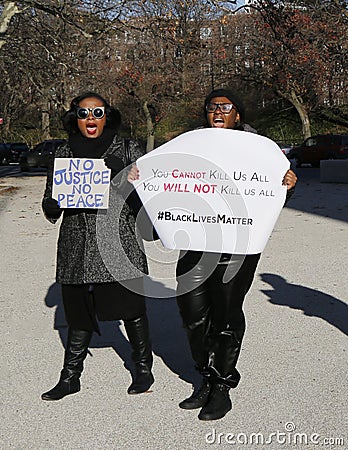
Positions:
(89, 290)
(211, 307)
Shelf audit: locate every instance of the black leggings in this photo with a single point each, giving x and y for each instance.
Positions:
(210, 297)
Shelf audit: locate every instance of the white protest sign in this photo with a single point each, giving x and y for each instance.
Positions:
(216, 190)
(81, 183)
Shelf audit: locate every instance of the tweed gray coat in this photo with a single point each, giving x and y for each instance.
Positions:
(103, 246)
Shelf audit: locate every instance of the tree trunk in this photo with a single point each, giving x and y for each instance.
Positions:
(150, 130)
(300, 108)
(45, 121)
(10, 9)
(297, 102)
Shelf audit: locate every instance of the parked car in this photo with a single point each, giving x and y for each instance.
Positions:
(10, 152)
(316, 148)
(285, 148)
(40, 155)
(5, 154)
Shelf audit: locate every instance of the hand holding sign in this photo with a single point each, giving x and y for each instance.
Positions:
(52, 208)
(114, 163)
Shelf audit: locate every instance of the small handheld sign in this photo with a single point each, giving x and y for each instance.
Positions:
(81, 183)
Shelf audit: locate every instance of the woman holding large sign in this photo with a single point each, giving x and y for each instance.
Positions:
(90, 289)
(211, 290)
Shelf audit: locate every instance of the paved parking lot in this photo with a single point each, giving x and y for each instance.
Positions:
(293, 392)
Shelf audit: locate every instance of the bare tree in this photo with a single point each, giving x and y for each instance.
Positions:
(160, 55)
(43, 46)
(157, 59)
(298, 50)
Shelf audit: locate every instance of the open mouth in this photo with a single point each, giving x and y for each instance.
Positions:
(91, 128)
(218, 122)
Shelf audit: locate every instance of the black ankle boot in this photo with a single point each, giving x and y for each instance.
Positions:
(139, 338)
(218, 405)
(75, 354)
(199, 398)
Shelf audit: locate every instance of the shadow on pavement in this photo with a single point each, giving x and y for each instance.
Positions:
(313, 303)
(168, 335)
(322, 199)
(168, 338)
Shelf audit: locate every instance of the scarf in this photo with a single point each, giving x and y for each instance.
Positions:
(84, 147)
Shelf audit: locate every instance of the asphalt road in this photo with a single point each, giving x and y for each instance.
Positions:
(293, 392)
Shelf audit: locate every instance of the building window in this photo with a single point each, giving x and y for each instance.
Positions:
(205, 33)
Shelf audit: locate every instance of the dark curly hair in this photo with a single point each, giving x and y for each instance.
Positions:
(69, 119)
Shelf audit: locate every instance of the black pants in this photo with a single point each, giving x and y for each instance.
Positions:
(210, 296)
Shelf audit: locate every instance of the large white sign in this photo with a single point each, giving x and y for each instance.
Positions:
(215, 190)
(81, 183)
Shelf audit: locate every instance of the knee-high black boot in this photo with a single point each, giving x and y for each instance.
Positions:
(196, 334)
(225, 350)
(199, 397)
(75, 354)
(139, 338)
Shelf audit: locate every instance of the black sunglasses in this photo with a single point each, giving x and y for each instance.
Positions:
(97, 112)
